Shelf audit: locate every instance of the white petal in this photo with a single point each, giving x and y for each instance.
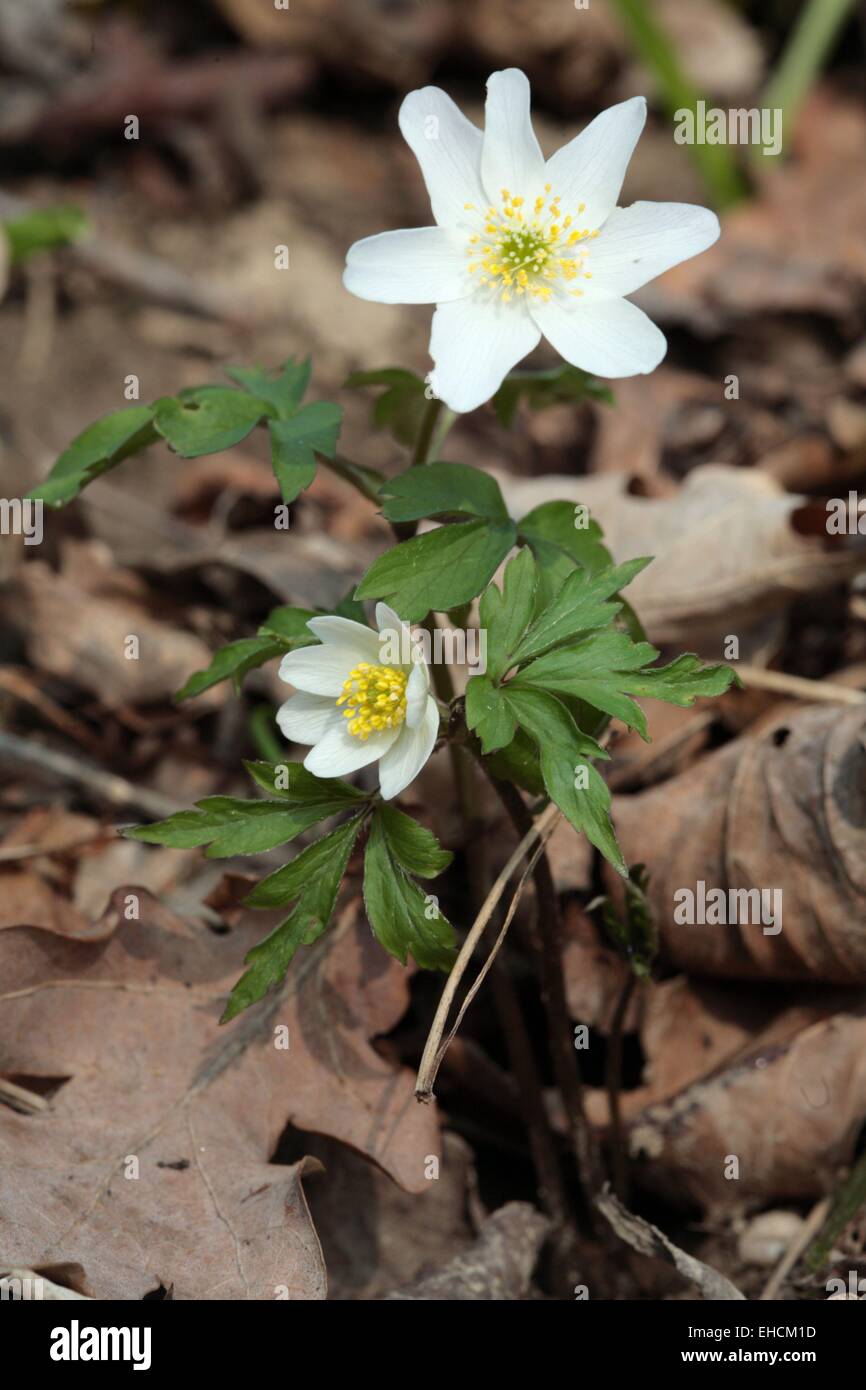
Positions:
(511, 157)
(426, 265)
(319, 670)
(591, 167)
(448, 149)
(333, 631)
(474, 344)
(339, 752)
(306, 718)
(638, 243)
(417, 693)
(611, 337)
(389, 621)
(406, 758)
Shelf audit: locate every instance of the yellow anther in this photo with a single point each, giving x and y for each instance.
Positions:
(375, 699)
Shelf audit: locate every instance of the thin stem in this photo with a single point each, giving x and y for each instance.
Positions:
(433, 1051)
(425, 434)
(553, 995)
(613, 1082)
(808, 47)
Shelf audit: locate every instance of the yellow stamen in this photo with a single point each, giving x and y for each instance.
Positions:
(375, 699)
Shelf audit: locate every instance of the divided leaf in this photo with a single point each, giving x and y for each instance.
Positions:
(207, 419)
(295, 443)
(284, 629)
(313, 877)
(540, 389)
(402, 404)
(572, 782)
(405, 919)
(443, 489)
(101, 446)
(229, 826)
(439, 570)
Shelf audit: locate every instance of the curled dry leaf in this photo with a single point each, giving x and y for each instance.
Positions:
(779, 813)
(649, 1240)
(152, 1163)
(727, 550)
(787, 1112)
(374, 1235)
(497, 1266)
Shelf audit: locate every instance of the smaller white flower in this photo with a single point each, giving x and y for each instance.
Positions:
(357, 708)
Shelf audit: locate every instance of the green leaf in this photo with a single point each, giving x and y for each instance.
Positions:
(207, 419)
(541, 389)
(230, 826)
(284, 629)
(607, 667)
(235, 659)
(44, 229)
(506, 615)
(289, 626)
(101, 446)
(565, 755)
(285, 391)
(581, 605)
(404, 919)
(518, 763)
(289, 882)
(296, 441)
(401, 406)
(314, 878)
(634, 934)
(489, 714)
(414, 847)
(683, 680)
(439, 570)
(443, 489)
(559, 540)
(294, 783)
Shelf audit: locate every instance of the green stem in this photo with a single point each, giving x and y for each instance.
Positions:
(716, 163)
(849, 1198)
(425, 434)
(805, 53)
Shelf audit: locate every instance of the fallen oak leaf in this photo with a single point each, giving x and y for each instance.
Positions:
(152, 1078)
(782, 812)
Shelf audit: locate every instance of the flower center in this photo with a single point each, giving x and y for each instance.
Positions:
(375, 698)
(520, 252)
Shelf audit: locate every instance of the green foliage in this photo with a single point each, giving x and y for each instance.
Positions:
(283, 630)
(101, 446)
(405, 920)
(313, 878)
(443, 489)
(44, 229)
(402, 404)
(230, 826)
(439, 570)
(205, 420)
(543, 662)
(633, 933)
(541, 389)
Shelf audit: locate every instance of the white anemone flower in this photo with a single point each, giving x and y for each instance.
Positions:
(357, 708)
(525, 247)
